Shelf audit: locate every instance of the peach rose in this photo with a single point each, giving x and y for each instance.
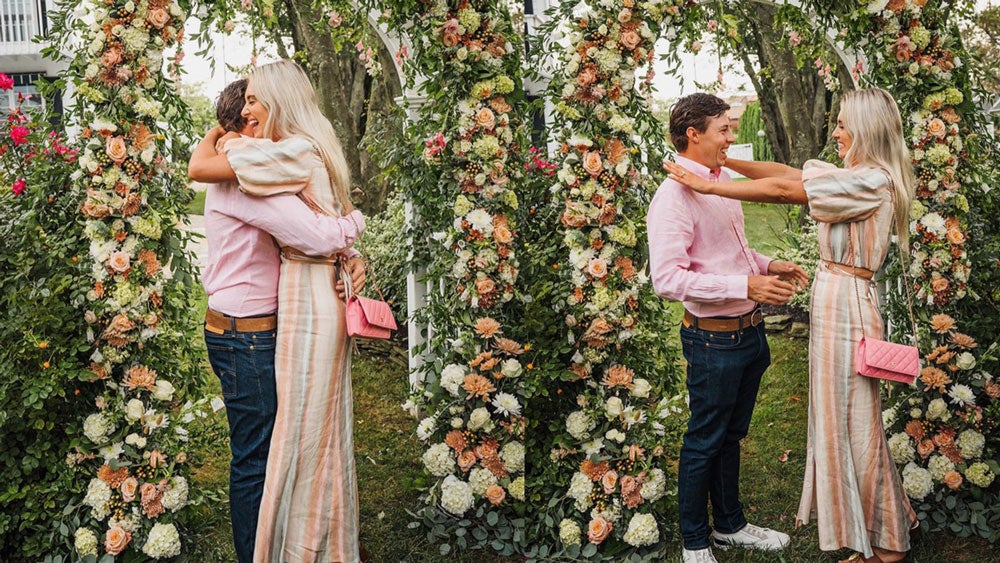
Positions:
(485, 286)
(598, 530)
(936, 127)
(487, 448)
(116, 149)
(953, 479)
(586, 77)
(158, 17)
(466, 460)
(120, 261)
(609, 480)
(624, 16)
(950, 115)
(570, 218)
(485, 118)
(939, 285)
(925, 448)
(598, 267)
(111, 57)
(495, 494)
(502, 234)
(128, 489)
(630, 39)
(955, 235)
(116, 540)
(449, 39)
(592, 163)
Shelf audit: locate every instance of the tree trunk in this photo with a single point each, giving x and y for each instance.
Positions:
(795, 101)
(347, 96)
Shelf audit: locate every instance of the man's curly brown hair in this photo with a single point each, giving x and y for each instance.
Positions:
(229, 105)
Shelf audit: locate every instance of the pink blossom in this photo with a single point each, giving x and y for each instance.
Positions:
(246, 4)
(794, 38)
(401, 54)
(19, 134)
(335, 19)
(18, 186)
(6, 82)
(858, 69)
(695, 47)
(713, 25)
(818, 62)
(450, 26)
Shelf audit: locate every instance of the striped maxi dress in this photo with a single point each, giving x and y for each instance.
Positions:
(309, 512)
(851, 484)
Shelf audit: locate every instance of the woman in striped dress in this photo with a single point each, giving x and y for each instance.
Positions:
(851, 484)
(309, 511)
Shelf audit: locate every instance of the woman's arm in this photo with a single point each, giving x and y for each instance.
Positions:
(765, 190)
(206, 164)
(756, 170)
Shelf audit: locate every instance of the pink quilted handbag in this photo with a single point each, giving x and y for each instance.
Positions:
(887, 360)
(369, 318)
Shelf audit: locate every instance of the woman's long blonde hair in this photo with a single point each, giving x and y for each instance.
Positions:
(284, 89)
(872, 118)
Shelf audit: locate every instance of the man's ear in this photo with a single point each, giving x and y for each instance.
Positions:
(692, 135)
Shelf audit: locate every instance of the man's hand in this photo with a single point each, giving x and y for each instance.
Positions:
(356, 270)
(769, 289)
(789, 272)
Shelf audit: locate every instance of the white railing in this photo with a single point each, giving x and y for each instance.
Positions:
(20, 22)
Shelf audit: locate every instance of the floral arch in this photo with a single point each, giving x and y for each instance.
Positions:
(538, 292)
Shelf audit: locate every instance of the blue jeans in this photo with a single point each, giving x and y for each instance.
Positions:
(723, 376)
(244, 362)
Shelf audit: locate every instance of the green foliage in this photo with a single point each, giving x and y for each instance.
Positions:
(43, 382)
(387, 258)
(802, 248)
(751, 130)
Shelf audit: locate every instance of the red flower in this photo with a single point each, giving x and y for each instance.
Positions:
(6, 82)
(18, 186)
(19, 134)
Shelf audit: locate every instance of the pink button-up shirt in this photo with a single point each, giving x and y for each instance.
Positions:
(698, 251)
(243, 262)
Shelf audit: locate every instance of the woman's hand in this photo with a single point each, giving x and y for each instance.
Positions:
(680, 174)
(356, 270)
(221, 143)
(789, 272)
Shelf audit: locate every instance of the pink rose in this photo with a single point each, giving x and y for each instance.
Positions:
(116, 540)
(116, 149)
(18, 186)
(128, 489)
(120, 261)
(630, 39)
(495, 494)
(158, 18)
(598, 530)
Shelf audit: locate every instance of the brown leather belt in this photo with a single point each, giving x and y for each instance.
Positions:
(218, 323)
(863, 273)
(726, 324)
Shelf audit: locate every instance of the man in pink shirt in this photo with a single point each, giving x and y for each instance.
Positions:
(241, 323)
(699, 255)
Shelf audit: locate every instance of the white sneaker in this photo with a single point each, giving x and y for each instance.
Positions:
(699, 556)
(752, 537)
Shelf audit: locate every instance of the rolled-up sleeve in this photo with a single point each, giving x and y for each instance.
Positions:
(838, 195)
(264, 167)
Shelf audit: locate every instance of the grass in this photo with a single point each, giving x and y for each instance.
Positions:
(197, 205)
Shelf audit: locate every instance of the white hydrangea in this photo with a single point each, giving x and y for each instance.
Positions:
(512, 454)
(85, 542)
(655, 487)
(452, 377)
(516, 488)
(439, 460)
(917, 481)
(456, 495)
(97, 497)
(163, 542)
(642, 530)
(176, 496)
(579, 425)
(480, 479)
(888, 417)
(569, 532)
(962, 394)
(970, 443)
(426, 428)
(979, 474)
(901, 447)
(938, 466)
(97, 426)
(580, 486)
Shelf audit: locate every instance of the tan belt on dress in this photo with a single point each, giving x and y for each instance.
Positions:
(289, 253)
(856, 271)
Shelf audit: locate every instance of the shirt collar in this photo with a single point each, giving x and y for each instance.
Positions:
(698, 168)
